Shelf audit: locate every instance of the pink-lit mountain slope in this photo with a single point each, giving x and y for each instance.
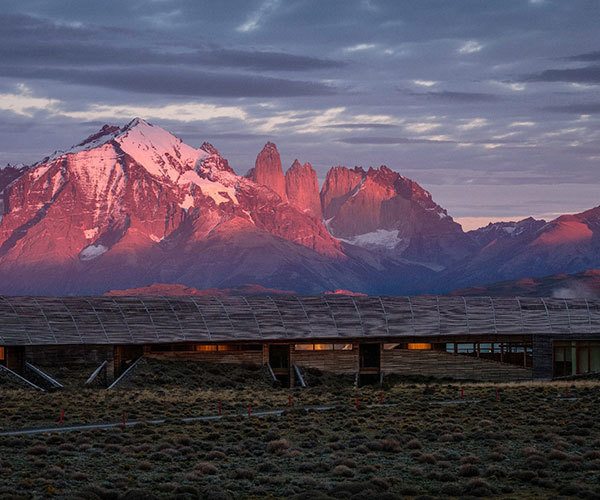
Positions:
(135, 205)
(175, 290)
(381, 210)
(568, 244)
(132, 206)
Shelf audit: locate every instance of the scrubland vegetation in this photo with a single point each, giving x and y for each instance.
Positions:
(407, 440)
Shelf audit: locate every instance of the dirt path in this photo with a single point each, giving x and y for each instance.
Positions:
(131, 423)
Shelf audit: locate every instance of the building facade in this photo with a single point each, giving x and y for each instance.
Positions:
(466, 338)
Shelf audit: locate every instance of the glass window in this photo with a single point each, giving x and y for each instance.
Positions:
(583, 360)
(206, 348)
(342, 347)
(390, 347)
(2, 355)
(416, 346)
(485, 348)
(303, 347)
(465, 348)
(323, 347)
(595, 358)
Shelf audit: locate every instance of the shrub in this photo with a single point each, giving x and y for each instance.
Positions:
(390, 445)
(468, 470)
(414, 444)
(38, 449)
(206, 468)
(478, 487)
(278, 446)
(243, 473)
(342, 471)
(216, 455)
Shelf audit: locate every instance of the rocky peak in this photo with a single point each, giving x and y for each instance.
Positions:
(339, 184)
(214, 163)
(210, 149)
(302, 188)
(106, 132)
(9, 174)
(267, 170)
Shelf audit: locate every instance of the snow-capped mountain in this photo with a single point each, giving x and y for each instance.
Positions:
(505, 230)
(132, 206)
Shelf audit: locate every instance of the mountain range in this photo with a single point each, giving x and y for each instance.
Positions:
(133, 206)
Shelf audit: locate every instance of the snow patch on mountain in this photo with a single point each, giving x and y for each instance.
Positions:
(379, 238)
(90, 234)
(188, 202)
(218, 191)
(92, 252)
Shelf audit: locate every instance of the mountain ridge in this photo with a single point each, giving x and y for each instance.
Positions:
(134, 205)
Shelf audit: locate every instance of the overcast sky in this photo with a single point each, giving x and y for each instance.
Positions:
(494, 106)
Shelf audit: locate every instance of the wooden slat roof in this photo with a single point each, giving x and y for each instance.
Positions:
(143, 320)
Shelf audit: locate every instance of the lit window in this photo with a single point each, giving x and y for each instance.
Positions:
(303, 347)
(419, 347)
(323, 347)
(206, 348)
(2, 353)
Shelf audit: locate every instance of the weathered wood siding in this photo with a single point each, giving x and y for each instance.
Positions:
(446, 365)
(341, 362)
(69, 355)
(233, 357)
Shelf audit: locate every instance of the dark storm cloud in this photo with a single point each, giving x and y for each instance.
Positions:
(391, 140)
(587, 74)
(361, 125)
(458, 97)
(588, 57)
(589, 108)
(59, 54)
(26, 41)
(176, 81)
(321, 78)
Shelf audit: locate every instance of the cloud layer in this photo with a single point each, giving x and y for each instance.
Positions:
(493, 99)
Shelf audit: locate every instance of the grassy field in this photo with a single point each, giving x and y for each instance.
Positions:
(409, 440)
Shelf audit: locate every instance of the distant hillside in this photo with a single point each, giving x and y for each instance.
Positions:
(177, 290)
(581, 285)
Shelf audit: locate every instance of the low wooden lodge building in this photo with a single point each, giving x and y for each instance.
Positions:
(468, 338)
